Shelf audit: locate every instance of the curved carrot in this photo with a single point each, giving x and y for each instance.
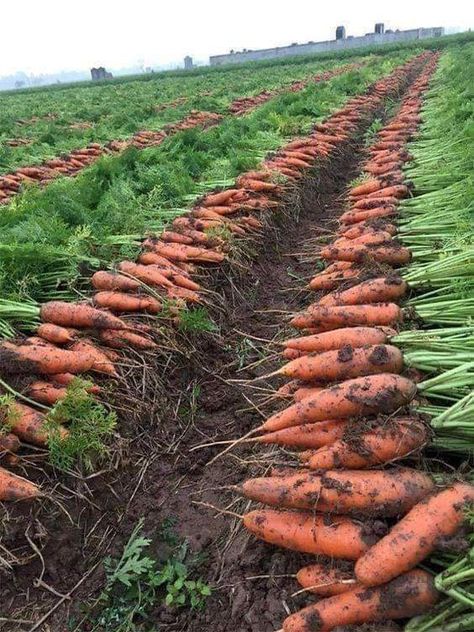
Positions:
(100, 361)
(339, 536)
(330, 340)
(407, 596)
(13, 487)
(382, 393)
(413, 538)
(380, 290)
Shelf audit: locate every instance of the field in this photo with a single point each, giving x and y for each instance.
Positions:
(236, 348)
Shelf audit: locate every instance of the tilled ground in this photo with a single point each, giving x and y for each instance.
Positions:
(157, 477)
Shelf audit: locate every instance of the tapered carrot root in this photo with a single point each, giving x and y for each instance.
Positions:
(344, 363)
(356, 230)
(416, 535)
(9, 443)
(328, 341)
(121, 302)
(28, 424)
(100, 361)
(79, 315)
(46, 393)
(55, 334)
(325, 580)
(114, 282)
(407, 596)
(330, 280)
(43, 358)
(380, 290)
(13, 487)
(385, 314)
(181, 252)
(389, 253)
(125, 339)
(339, 537)
(67, 378)
(306, 435)
(386, 443)
(361, 396)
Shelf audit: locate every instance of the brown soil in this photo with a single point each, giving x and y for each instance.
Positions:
(154, 475)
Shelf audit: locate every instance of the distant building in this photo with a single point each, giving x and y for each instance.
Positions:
(188, 63)
(100, 73)
(342, 42)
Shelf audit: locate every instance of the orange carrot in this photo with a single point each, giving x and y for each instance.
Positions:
(124, 339)
(353, 217)
(79, 315)
(306, 391)
(45, 392)
(28, 424)
(121, 302)
(306, 435)
(361, 227)
(113, 281)
(407, 596)
(291, 354)
(180, 252)
(67, 378)
(329, 280)
(382, 393)
(338, 537)
(217, 199)
(9, 442)
(101, 362)
(344, 363)
(55, 334)
(393, 440)
(349, 315)
(13, 487)
(390, 253)
(42, 358)
(150, 274)
(380, 290)
(375, 202)
(328, 341)
(396, 191)
(326, 580)
(416, 535)
(369, 186)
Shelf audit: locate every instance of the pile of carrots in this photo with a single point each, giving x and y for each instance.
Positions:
(348, 415)
(76, 338)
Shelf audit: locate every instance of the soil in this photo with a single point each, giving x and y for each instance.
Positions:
(55, 544)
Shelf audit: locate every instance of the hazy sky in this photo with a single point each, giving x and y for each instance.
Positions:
(43, 36)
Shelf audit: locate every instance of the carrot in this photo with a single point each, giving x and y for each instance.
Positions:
(344, 363)
(329, 280)
(374, 202)
(151, 275)
(121, 302)
(349, 315)
(9, 442)
(339, 537)
(390, 253)
(380, 290)
(113, 281)
(376, 169)
(55, 334)
(326, 580)
(369, 186)
(306, 435)
(27, 424)
(382, 393)
(13, 487)
(258, 185)
(306, 391)
(174, 237)
(395, 191)
(369, 238)
(383, 444)
(183, 293)
(353, 217)
(217, 199)
(42, 358)
(407, 596)
(328, 341)
(79, 315)
(180, 252)
(178, 267)
(125, 339)
(362, 227)
(67, 378)
(101, 363)
(416, 535)
(45, 392)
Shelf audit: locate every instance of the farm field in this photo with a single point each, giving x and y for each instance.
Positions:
(236, 352)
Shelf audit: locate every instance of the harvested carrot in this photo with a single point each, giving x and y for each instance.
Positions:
(124, 339)
(331, 280)
(326, 580)
(380, 290)
(121, 302)
(328, 341)
(385, 443)
(216, 199)
(375, 202)
(55, 334)
(46, 393)
(101, 362)
(373, 314)
(382, 393)
(28, 424)
(13, 487)
(79, 315)
(396, 191)
(369, 238)
(42, 358)
(339, 537)
(113, 281)
(180, 252)
(175, 237)
(369, 186)
(354, 217)
(390, 253)
(416, 535)
(9, 442)
(291, 354)
(149, 274)
(67, 378)
(361, 227)
(407, 596)
(306, 391)
(306, 435)
(344, 363)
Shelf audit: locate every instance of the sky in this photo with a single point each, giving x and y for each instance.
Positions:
(48, 36)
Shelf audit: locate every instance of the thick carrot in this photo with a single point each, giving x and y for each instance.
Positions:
(306, 391)
(306, 435)
(339, 537)
(175, 237)
(382, 393)
(113, 281)
(369, 186)
(121, 302)
(9, 442)
(391, 253)
(369, 238)
(380, 290)
(28, 424)
(216, 199)
(125, 339)
(416, 535)
(328, 341)
(13, 487)
(42, 358)
(362, 227)
(79, 315)
(354, 217)
(55, 334)
(344, 363)
(326, 580)
(45, 392)
(386, 443)
(349, 315)
(407, 596)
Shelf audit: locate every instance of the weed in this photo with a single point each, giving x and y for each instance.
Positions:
(196, 320)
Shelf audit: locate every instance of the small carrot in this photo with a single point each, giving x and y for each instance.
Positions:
(356, 216)
(413, 538)
(326, 580)
(45, 392)
(27, 424)
(306, 435)
(13, 487)
(100, 361)
(330, 280)
(55, 334)
(9, 442)
(124, 339)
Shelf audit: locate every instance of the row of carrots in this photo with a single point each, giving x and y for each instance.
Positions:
(348, 391)
(76, 338)
(78, 159)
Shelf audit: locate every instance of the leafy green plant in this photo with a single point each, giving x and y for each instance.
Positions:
(196, 320)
